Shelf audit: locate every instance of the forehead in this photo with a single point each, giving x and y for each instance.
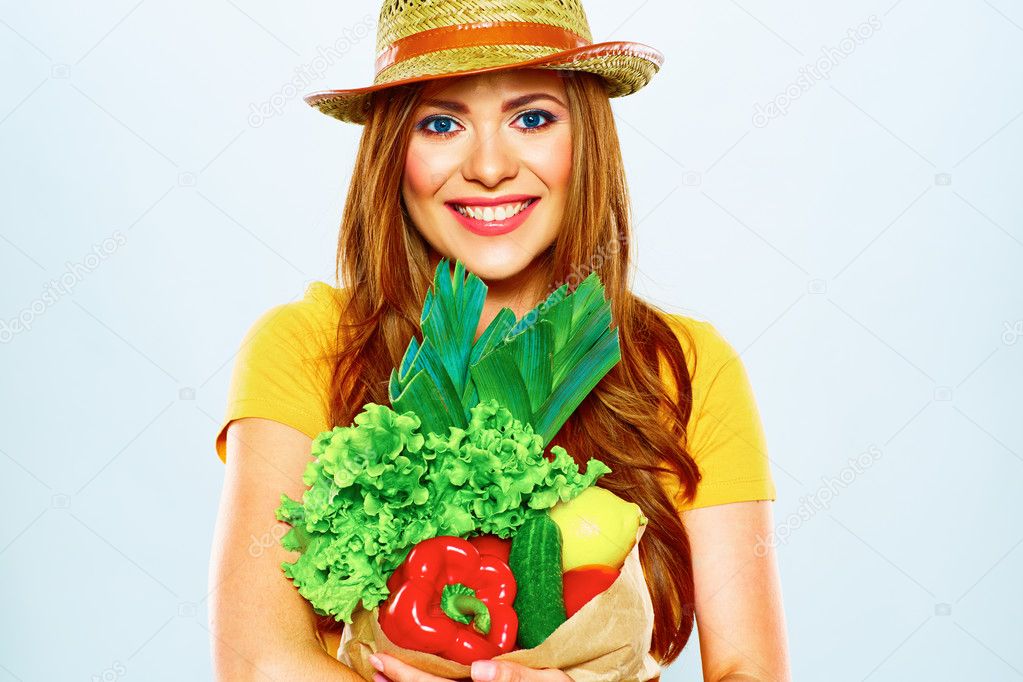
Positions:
(497, 84)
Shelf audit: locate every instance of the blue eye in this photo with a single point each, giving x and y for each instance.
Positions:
(535, 119)
(444, 125)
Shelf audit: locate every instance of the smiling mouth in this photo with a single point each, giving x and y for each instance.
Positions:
(494, 213)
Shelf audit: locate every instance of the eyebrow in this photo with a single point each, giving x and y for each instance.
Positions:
(461, 108)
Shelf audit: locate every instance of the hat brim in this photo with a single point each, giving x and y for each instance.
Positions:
(625, 67)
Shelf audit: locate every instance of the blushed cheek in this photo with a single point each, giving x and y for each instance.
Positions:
(556, 165)
(420, 177)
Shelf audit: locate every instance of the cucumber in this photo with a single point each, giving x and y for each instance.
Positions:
(535, 561)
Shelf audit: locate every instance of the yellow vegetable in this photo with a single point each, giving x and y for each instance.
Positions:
(597, 527)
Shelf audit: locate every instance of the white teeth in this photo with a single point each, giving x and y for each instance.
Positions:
(491, 213)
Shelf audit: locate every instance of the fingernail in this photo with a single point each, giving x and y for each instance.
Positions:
(377, 677)
(484, 671)
(376, 663)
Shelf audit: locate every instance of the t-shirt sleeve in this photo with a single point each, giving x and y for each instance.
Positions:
(725, 434)
(282, 369)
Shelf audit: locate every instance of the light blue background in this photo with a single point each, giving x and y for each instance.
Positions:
(862, 251)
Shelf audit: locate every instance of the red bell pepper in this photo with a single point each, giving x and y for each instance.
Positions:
(582, 584)
(491, 544)
(449, 598)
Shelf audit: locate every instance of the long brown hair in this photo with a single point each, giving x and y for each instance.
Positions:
(628, 421)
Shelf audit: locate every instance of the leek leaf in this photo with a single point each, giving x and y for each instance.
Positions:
(497, 377)
(583, 338)
(422, 397)
(576, 385)
(533, 351)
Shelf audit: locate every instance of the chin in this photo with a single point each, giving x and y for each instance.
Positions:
(498, 261)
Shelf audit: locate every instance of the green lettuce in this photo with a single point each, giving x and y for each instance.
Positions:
(382, 485)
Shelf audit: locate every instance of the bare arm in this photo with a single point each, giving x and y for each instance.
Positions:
(261, 627)
(739, 612)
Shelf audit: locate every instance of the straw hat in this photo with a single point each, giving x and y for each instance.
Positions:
(421, 40)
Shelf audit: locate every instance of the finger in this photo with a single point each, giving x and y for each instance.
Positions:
(399, 671)
(484, 671)
(506, 671)
(498, 671)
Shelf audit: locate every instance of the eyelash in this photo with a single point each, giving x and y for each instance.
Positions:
(551, 118)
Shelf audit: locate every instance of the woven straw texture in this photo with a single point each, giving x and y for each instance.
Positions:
(625, 67)
(462, 59)
(623, 75)
(402, 18)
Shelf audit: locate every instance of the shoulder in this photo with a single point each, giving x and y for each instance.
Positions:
(319, 304)
(283, 367)
(298, 334)
(725, 434)
(314, 314)
(705, 348)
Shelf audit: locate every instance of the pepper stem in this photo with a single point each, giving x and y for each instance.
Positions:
(461, 604)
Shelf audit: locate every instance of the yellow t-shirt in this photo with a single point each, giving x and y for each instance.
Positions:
(283, 369)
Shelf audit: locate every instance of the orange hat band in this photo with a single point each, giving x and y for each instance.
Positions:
(477, 34)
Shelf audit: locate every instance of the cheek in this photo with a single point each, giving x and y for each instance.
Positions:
(554, 163)
(421, 179)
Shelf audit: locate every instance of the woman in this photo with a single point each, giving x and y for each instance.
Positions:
(506, 158)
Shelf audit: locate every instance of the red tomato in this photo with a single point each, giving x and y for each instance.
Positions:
(584, 583)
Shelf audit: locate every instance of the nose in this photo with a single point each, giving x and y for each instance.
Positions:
(491, 160)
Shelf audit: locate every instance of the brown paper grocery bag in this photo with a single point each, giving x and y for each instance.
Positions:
(608, 640)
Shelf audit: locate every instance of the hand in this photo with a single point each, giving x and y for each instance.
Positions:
(393, 670)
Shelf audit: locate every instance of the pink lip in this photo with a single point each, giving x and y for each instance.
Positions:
(495, 201)
(494, 228)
